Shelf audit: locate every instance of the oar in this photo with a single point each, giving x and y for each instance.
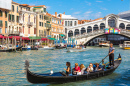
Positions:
(104, 58)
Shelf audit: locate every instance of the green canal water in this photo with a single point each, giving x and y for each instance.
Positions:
(12, 71)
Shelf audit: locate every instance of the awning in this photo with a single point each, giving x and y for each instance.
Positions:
(44, 39)
(17, 37)
(62, 35)
(1, 36)
(52, 38)
(33, 37)
(25, 38)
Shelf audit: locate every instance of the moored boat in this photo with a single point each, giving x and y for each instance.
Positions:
(60, 77)
(46, 48)
(11, 49)
(126, 45)
(76, 49)
(104, 43)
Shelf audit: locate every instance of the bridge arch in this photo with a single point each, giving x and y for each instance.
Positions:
(70, 33)
(122, 26)
(128, 27)
(96, 36)
(76, 32)
(112, 21)
(83, 30)
(95, 27)
(89, 29)
(102, 26)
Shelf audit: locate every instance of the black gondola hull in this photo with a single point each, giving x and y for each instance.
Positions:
(11, 50)
(36, 78)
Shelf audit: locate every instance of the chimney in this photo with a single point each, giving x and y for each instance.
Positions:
(60, 15)
(56, 14)
(64, 13)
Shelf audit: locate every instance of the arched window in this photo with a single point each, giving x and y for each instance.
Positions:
(0, 13)
(122, 26)
(29, 18)
(70, 33)
(83, 30)
(95, 27)
(76, 32)
(128, 27)
(23, 17)
(89, 29)
(13, 8)
(75, 23)
(5, 14)
(102, 26)
(65, 30)
(112, 22)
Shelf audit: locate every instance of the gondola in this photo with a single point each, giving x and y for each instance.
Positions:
(11, 49)
(60, 77)
(60, 47)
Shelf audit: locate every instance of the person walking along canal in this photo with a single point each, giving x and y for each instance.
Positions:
(111, 55)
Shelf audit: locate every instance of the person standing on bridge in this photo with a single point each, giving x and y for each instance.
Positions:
(111, 55)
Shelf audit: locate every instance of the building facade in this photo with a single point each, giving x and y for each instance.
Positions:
(13, 20)
(27, 21)
(125, 15)
(40, 19)
(69, 21)
(57, 26)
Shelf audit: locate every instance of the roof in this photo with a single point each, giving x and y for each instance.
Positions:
(15, 3)
(48, 14)
(38, 6)
(25, 5)
(68, 17)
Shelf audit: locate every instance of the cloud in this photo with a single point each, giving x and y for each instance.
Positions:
(77, 12)
(103, 8)
(88, 12)
(97, 15)
(99, 1)
(48, 7)
(88, 3)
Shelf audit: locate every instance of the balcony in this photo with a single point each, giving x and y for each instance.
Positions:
(30, 23)
(20, 21)
(14, 32)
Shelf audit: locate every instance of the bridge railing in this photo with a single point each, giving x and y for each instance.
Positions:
(95, 32)
(124, 31)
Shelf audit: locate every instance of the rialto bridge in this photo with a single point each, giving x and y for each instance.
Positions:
(84, 33)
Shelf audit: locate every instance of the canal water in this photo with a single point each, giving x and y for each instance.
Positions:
(12, 71)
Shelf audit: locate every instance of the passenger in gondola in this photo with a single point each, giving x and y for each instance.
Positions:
(97, 67)
(90, 68)
(68, 70)
(82, 68)
(76, 70)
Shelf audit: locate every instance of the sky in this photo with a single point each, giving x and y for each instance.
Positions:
(82, 9)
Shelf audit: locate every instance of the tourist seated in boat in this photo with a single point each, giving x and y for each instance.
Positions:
(98, 68)
(90, 68)
(76, 70)
(68, 70)
(82, 68)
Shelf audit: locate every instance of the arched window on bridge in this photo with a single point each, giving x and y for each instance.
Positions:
(112, 22)
(76, 32)
(83, 30)
(102, 26)
(95, 27)
(122, 26)
(89, 29)
(65, 30)
(70, 33)
(128, 27)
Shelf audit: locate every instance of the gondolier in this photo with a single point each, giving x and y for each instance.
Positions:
(111, 55)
